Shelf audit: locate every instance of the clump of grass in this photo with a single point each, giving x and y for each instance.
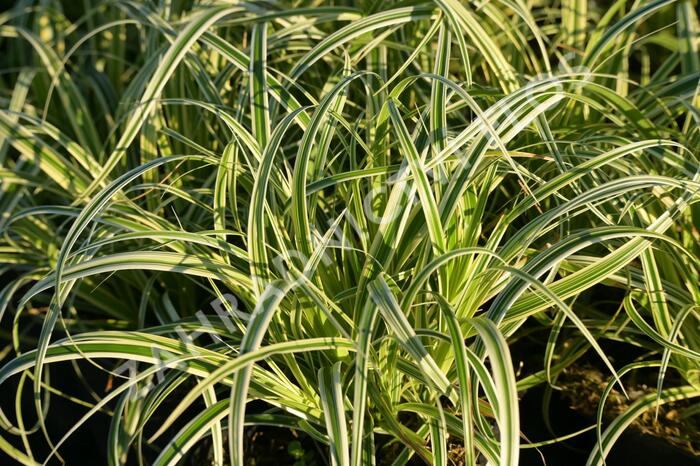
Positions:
(379, 198)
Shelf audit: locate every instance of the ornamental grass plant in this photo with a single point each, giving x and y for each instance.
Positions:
(344, 220)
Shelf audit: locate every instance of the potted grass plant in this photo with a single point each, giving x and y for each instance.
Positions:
(347, 233)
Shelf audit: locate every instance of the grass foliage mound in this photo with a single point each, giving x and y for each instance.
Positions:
(338, 218)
